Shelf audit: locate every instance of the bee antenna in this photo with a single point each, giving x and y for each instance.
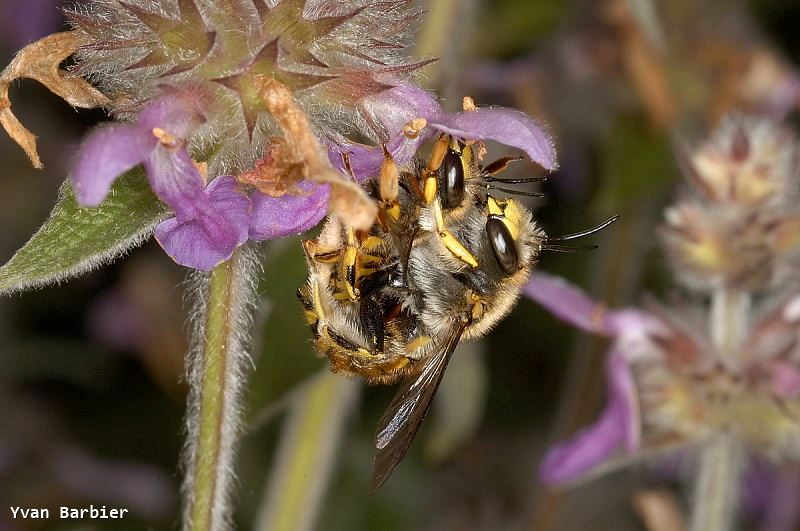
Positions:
(513, 192)
(583, 233)
(564, 249)
(525, 180)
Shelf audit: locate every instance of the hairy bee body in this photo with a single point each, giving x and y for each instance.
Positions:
(408, 289)
(444, 261)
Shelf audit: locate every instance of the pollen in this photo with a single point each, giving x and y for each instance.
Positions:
(166, 139)
(413, 128)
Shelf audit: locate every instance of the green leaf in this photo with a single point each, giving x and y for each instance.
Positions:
(75, 240)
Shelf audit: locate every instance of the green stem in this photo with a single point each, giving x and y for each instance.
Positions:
(307, 454)
(718, 481)
(216, 374)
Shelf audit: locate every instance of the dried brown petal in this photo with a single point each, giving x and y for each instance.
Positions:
(17, 132)
(277, 172)
(39, 61)
(348, 200)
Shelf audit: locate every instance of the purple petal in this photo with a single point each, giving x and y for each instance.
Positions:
(104, 155)
(568, 303)
(176, 181)
(785, 379)
(622, 392)
(365, 161)
(211, 237)
(507, 126)
(617, 425)
(395, 107)
(173, 112)
(276, 217)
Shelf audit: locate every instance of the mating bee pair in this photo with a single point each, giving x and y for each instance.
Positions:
(445, 261)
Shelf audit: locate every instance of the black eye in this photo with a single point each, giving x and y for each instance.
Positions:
(453, 170)
(505, 250)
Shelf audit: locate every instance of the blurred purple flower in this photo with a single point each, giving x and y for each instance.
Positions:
(24, 21)
(114, 321)
(618, 424)
(395, 108)
(209, 223)
(770, 494)
(667, 389)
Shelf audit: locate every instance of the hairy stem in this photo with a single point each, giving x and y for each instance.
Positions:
(717, 486)
(224, 306)
(718, 481)
(307, 454)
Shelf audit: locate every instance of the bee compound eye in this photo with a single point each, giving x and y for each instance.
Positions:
(503, 245)
(453, 166)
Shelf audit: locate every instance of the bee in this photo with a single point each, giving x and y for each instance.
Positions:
(444, 262)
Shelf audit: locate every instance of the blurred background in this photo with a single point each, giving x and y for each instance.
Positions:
(91, 386)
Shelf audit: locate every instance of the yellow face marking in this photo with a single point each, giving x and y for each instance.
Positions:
(494, 207)
(467, 156)
(508, 212)
(512, 218)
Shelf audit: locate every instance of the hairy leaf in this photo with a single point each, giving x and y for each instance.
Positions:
(75, 240)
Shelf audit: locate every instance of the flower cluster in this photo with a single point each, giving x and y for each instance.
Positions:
(739, 227)
(670, 390)
(239, 111)
(717, 384)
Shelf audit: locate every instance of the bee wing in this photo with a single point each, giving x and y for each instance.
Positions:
(399, 425)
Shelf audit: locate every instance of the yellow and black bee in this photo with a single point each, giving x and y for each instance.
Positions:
(445, 261)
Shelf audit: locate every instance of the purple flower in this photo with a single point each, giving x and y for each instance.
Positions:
(393, 109)
(209, 222)
(667, 389)
(292, 213)
(618, 424)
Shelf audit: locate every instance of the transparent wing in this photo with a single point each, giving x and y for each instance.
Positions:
(399, 425)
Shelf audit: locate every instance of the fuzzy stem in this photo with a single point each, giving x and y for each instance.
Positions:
(216, 375)
(307, 454)
(718, 481)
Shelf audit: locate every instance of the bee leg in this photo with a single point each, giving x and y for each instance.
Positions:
(348, 264)
(449, 240)
(388, 188)
(311, 250)
(371, 316)
(360, 257)
(429, 185)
